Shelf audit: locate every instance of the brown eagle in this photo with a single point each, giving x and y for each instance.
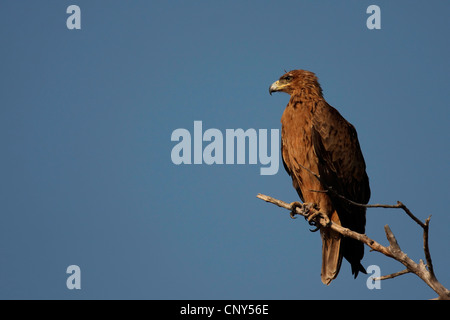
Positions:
(315, 138)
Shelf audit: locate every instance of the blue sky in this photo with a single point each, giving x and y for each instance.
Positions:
(86, 118)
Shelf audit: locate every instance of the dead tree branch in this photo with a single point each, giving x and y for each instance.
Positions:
(393, 275)
(423, 271)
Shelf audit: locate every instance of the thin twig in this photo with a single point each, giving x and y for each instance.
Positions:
(426, 247)
(393, 275)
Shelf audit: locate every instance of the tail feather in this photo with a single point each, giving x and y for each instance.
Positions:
(356, 268)
(331, 253)
(353, 252)
(335, 247)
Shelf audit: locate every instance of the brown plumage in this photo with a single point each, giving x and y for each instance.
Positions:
(315, 136)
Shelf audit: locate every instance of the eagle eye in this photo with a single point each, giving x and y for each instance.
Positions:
(287, 78)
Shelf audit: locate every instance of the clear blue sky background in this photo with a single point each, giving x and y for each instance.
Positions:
(86, 118)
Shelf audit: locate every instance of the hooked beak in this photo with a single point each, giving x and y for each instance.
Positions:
(274, 87)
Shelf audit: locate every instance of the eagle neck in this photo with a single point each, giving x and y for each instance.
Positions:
(304, 100)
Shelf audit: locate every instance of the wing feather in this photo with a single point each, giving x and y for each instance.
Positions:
(341, 163)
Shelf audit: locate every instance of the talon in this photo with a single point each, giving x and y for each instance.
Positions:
(314, 224)
(294, 205)
(314, 216)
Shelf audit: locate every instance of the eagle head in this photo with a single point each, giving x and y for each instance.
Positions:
(296, 81)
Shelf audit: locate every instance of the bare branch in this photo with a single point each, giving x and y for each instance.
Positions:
(393, 251)
(393, 275)
(394, 247)
(426, 247)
